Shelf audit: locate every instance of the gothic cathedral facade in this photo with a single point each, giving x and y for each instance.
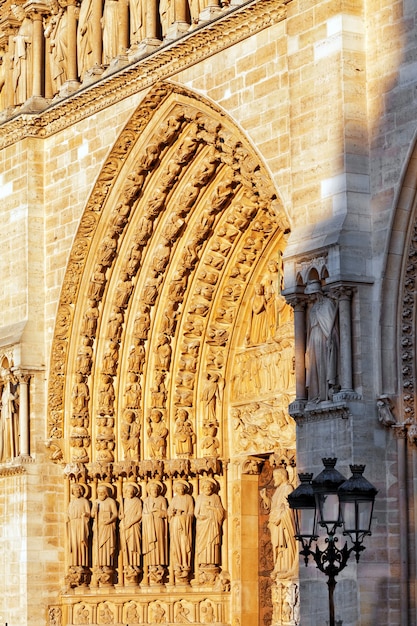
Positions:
(208, 283)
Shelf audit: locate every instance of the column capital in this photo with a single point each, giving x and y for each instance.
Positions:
(36, 9)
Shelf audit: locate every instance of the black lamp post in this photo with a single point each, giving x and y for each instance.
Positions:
(331, 502)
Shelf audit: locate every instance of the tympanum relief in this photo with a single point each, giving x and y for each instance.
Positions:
(180, 348)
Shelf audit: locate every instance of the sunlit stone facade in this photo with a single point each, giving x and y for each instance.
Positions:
(207, 284)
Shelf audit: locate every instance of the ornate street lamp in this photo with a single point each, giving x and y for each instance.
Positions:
(331, 502)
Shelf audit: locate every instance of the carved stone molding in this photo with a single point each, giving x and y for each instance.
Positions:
(200, 44)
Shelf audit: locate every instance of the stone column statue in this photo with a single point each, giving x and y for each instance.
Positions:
(104, 513)
(180, 516)
(281, 526)
(209, 514)
(155, 535)
(130, 516)
(78, 526)
(322, 346)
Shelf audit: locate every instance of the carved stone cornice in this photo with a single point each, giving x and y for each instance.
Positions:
(164, 63)
(322, 411)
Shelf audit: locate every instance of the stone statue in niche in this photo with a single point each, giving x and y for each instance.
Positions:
(9, 417)
(322, 346)
(22, 56)
(110, 25)
(259, 322)
(123, 291)
(157, 435)
(157, 613)
(133, 392)
(142, 322)
(78, 526)
(210, 444)
(105, 449)
(207, 613)
(89, 325)
(104, 514)
(155, 533)
(80, 395)
(97, 282)
(79, 453)
(163, 352)
(85, 38)
(169, 318)
(281, 525)
(136, 358)
(182, 613)
(105, 614)
(137, 24)
(106, 395)
(212, 396)
(57, 33)
(180, 517)
(184, 435)
(130, 433)
(84, 357)
(132, 615)
(130, 516)
(110, 359)
(115, 326)
(107, 251)
(159, 391)
(151, 288)
(209, 514)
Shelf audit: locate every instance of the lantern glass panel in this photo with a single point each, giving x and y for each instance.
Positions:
(308, 522)
(329, 508)
(364, 515)
(348, 511)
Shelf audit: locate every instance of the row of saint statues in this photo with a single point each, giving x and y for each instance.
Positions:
(55, 45)
(148, 535)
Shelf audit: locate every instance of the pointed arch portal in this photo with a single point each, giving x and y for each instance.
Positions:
(172, 352)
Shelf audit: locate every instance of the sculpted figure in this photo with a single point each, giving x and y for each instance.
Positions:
(79, 453)
(210, 444)
(133, 392)
(85, 38)
(57, 32)
(130, 517)
(105, 449)
(212, 394)
(180, 516)
(209, 514)
(154, 526)
(281, 525)
(9, 419)
(106, 395)
(184, 436)
(89, 325)
(136, 357)
(104, 513)
(110, 23)
(259, 323)
(151, 288)
(159, 391)
(107, 251)
(322, 347)
(142, 322)
(161, 256)
(157, 435)
(181, 614)
(110, 358)
(22, 56)
(84, 357)
(96, 286)
(137, 25)
(130, 432)
(115, 325)
(80, 395)
(78, 528)
(163, 353)
(123, 291)
(157, 613)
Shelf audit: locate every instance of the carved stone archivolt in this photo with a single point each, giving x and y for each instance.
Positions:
(178, 253)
